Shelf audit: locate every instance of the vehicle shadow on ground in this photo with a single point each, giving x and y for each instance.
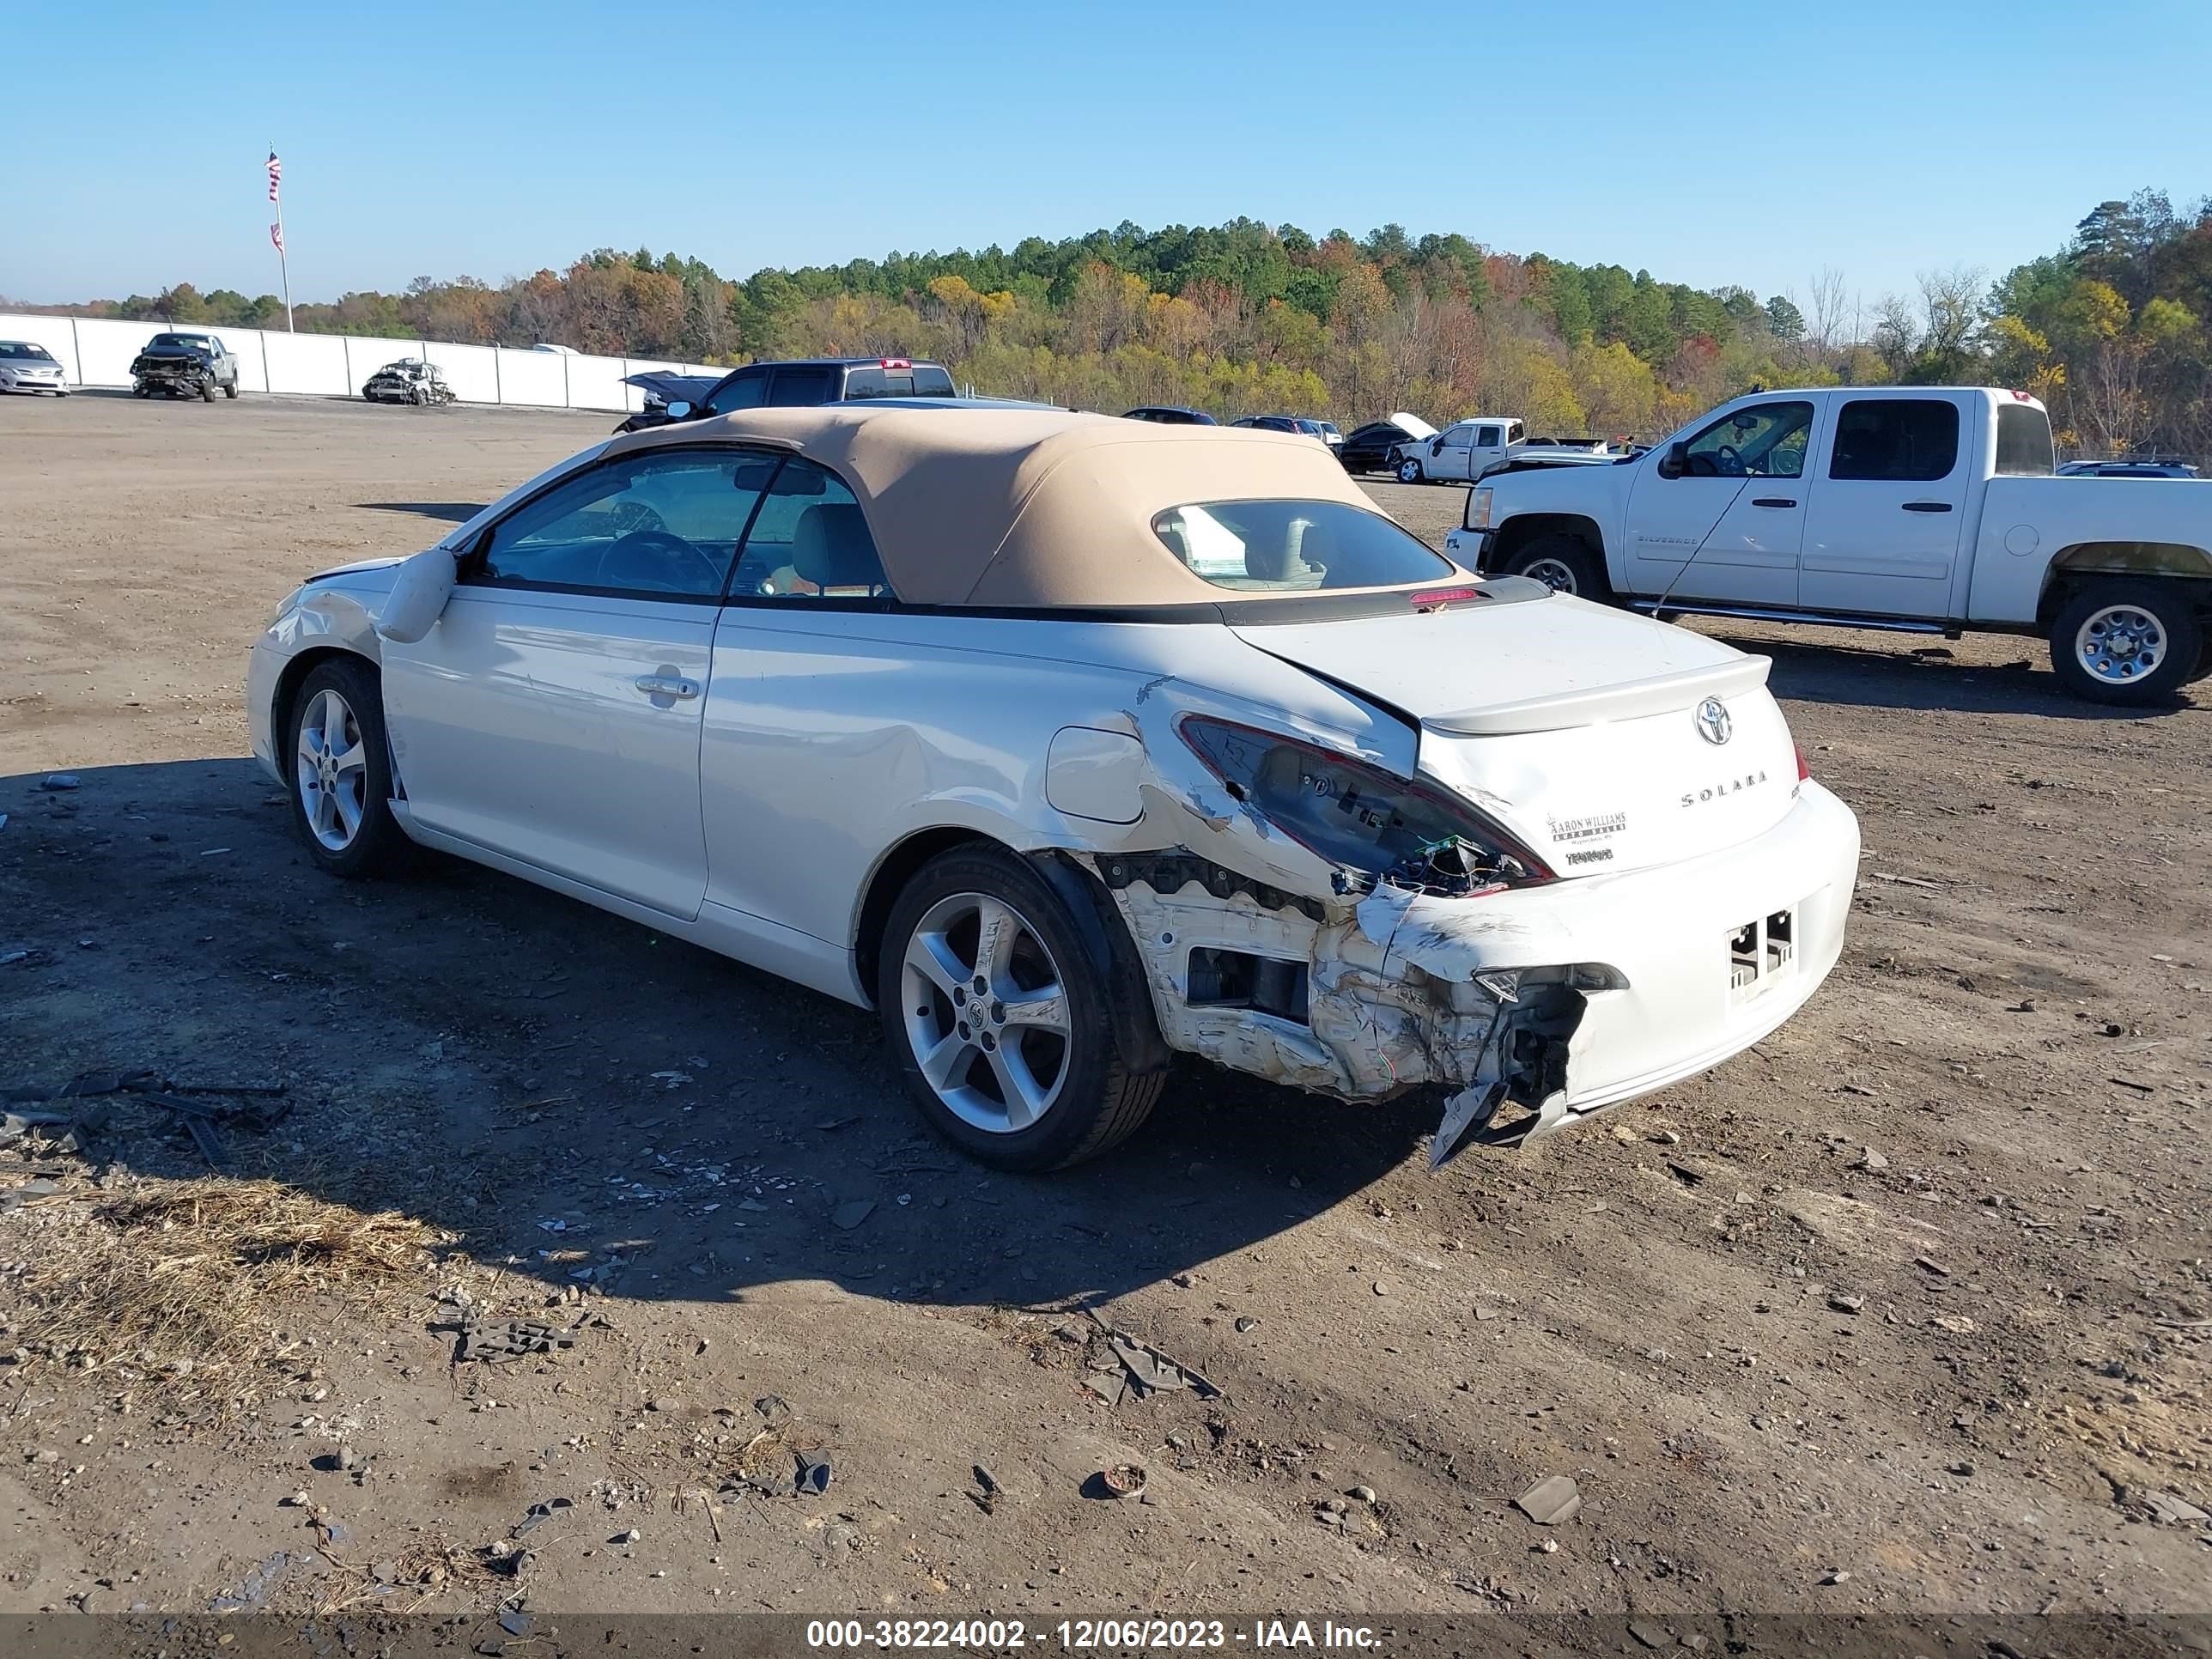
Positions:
(450, 512)
(570, 1092)
(1927, 677)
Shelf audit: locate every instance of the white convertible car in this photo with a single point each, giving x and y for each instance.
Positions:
(1069, 743)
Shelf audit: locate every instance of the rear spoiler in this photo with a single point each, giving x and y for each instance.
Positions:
(1660, 695)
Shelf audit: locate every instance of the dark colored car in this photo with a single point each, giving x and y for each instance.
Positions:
(1296, 425)
(814, 380)
(1368, 449)
(1168, 415)
(661, 389)
(184, 365)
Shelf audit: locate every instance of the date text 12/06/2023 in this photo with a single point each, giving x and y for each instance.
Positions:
(1089, 1635)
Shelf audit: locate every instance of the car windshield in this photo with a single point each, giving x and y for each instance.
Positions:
(1294, 546)
(196, 342)
(16, 351)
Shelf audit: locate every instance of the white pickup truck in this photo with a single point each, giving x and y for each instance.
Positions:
(1923, 509)
(1467, 451)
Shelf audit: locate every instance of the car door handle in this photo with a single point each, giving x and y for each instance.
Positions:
(664, 685)
(1772, 501)
(1928, 507)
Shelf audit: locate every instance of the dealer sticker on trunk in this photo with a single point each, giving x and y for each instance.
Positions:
(1583, 835)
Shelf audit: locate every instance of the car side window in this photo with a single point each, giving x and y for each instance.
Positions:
(1764, 440)
(1490, 437)
(745, 390)
(803, 388)
(810, 542)
(1900, 440)
(657, 524)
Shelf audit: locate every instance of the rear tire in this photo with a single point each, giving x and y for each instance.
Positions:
(2128, 640)
(1014, 1076)
(231, 391)
(342, 810)
(1562, 564)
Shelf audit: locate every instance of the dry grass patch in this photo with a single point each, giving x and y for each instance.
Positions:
(191, 1286)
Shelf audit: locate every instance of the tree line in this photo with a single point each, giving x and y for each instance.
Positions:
(1242, 318)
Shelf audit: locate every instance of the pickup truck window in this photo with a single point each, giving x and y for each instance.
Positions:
(1766, 440)
(1899, 440)
(1515, 433)
(746, 390)
(1490, 437)
(803, 388)
(2024, 441)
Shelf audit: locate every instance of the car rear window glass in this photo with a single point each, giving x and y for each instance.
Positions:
(1900, 440)
(1294, 546)
(2023, 442)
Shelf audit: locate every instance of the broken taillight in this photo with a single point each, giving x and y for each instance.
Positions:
(1359, 815)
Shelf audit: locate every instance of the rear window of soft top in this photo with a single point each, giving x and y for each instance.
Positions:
(1295, 546)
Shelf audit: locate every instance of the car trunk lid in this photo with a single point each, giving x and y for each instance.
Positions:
(1606, 741)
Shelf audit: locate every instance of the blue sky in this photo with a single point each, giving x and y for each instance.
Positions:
(1725, 141)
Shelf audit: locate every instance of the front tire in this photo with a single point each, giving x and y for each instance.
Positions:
(2126, 640)
(1562, 564)
(207, 392)
(1409, 472)
(231, 391)
(339, 767)
(1001, 1019)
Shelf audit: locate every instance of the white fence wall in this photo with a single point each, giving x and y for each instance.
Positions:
(96, 351)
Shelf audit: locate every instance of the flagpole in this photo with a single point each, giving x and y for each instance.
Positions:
(283, 256)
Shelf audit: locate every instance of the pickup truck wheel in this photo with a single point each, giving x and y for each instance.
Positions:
(2126, 642)
(1000, 1020)
(231, 391)
(1410, 473)
(1562, 564)
(207, 392)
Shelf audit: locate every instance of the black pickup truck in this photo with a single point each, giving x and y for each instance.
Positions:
(184, 365)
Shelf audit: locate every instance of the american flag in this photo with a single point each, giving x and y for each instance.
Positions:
(275, 172)
(277, 234)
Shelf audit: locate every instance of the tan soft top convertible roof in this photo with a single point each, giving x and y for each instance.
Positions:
(1030, 508)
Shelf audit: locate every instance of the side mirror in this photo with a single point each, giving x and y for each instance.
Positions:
(418, 596)
(678, 409)
(1436, 444)
(1675, 462)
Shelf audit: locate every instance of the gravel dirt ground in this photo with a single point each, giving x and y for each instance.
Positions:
(1905, 1311)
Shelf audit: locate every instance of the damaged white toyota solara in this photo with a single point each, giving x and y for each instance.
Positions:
(1069, 743)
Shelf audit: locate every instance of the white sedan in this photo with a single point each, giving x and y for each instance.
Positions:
(1069, 744)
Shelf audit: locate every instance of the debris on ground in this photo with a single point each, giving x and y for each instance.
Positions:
(774, 1462)
(513, 1339)
(1120, 1367)
(1122, 1480)
(852, 1212)
(59, 781)
(1551, 1502)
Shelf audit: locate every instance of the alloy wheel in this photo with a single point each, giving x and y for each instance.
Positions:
(331, 771)
(986, 1012)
